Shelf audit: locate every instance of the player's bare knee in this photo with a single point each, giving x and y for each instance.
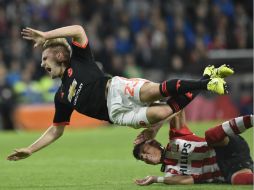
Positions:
(158, 114)
(149, 92)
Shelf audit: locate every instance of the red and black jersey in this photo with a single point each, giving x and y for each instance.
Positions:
(82, 89)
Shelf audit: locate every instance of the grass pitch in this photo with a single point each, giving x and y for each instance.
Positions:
(91, 159)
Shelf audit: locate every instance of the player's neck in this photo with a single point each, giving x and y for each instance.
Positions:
(63, 68)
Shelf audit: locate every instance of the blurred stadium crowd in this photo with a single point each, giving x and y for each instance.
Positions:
(128, 37)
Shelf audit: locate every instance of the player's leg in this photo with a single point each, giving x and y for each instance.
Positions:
(158, 113)
(144, 117)
(174, 105)
(175, 87)
(232, 127)
(151, 92)
(212, 80)
(234, 161)
(126, 94)
(131, 91)
(177, 103)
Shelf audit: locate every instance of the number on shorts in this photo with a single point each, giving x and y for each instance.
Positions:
(130, 89)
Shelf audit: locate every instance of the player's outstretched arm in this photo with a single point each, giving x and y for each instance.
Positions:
(52, 133)
(76, 32)
(173, 180)
(150, 133)
(178, 121)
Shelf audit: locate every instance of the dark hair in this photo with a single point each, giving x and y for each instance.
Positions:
(137, 148)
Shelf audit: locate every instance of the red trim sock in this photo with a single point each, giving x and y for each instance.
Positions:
(179, 102)
(237, 125)
(229, 128)
(176, 87)
(245, 178)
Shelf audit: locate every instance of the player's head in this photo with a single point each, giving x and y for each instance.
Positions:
(150, 152)
(56, 56)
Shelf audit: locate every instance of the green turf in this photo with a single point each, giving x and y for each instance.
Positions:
(94, 159)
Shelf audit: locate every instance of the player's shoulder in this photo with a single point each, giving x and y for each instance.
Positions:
(76, 47)
(183, 131)
(79, 54)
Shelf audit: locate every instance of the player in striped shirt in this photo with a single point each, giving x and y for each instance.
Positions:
(222, 156)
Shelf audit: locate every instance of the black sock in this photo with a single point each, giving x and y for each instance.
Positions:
(176, 86)
(179, 102)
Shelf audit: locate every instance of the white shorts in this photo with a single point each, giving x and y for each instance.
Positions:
(123, 102)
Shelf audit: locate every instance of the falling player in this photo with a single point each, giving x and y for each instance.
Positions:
(85, 88)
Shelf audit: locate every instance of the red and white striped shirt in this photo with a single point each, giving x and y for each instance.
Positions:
(188, 154)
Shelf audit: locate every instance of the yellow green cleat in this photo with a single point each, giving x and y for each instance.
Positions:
(217, 85)
(220, 72)
(209, 70)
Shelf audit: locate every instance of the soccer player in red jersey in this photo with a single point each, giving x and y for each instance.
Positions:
(86, 89)
(221, 157)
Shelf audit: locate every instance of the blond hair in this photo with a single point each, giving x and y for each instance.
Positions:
(59, 45)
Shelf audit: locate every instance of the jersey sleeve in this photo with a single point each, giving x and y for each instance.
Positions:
(77, 44)
(82, 55)
(83, 46)
(81, 51)
(176, 133)
(62, 113)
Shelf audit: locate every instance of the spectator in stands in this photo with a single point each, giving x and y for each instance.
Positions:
(7, 101)
(158, 29)
(28, 91)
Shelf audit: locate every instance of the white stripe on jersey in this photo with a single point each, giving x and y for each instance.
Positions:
(192, 170)
(222, 179)
(216, 178)
(182, 150)
(240, 124)
(227, 129)
(194, 155)
(206, 169)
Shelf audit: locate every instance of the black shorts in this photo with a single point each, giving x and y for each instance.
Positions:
(233, 157)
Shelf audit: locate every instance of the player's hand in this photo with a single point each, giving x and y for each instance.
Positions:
(145, 135)
(146, 181)
(19, 154)
(35, 35)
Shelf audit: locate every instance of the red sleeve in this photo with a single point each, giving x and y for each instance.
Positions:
(80, 45)
(176, 133)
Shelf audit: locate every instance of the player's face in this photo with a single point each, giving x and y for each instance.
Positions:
(150, 154)
(48, 62)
